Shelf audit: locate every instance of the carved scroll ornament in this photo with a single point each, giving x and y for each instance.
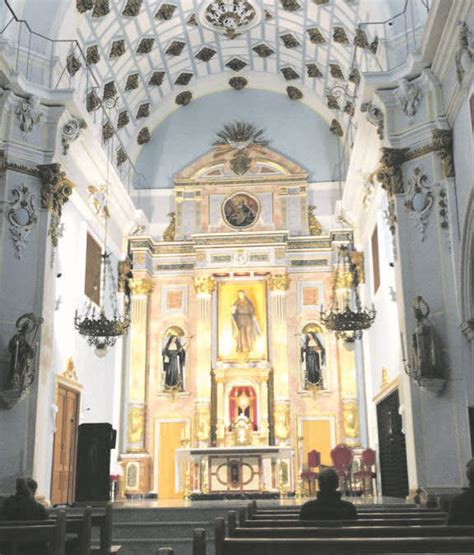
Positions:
(22, 216)
(55, 192)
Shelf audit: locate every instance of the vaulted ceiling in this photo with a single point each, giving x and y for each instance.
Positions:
(149, 54)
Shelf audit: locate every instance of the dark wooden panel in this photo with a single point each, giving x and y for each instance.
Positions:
(93, 265)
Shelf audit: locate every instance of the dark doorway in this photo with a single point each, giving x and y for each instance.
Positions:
(393, 457)
(471, 426)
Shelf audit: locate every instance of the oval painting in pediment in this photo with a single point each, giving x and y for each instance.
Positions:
(240, 210)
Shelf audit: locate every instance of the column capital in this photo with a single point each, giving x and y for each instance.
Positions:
(141, 286)
(389, 172)
(279, 282)
(443, 143)
(204, 285)
(55, 192)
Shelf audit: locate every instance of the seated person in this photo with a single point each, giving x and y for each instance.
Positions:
(462, 506)
(328, 505)
(22, 506)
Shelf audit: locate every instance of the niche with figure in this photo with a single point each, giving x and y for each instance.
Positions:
(312, 356)
(243, 403)
(173, 353)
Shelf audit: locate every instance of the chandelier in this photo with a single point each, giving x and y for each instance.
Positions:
(230, 17)
(100, 330)
(346, 316)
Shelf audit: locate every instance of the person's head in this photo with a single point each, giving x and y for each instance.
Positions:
(241, 294)
(470, 472)
(32, 485)
(328, 480)
(21, 487)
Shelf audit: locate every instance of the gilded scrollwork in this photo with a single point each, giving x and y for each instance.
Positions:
(71, 131)
(141, 286)
(279, 282)
(204, 285)
(389, 173)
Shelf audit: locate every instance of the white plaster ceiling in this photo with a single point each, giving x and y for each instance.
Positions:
(102, 31)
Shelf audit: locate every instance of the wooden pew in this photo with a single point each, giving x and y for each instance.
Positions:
(20, 535)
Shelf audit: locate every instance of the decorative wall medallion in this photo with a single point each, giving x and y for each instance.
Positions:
(289, 73)
(121, 157)
(294, 93)
(230, 18)
(73, 65)
(238, 83)
(117, 49)
(71, 131)
(184, 98)
(315, 36)
(175, 48)
(143, 136)
(409, 95)
(166, 11)
(101, 8)
(313, 70)
(123, 119)
(240, 257)
(132, 8)
(263, 50)
(92, 101)
(419, 200)
(55, 192)
(145, 45)
(22, 215)
(241, 210)
(336, 128)
(98, 199)
(156, 79)
(240, 163)
(205, 54)
(107, 131)
(332, 102)
(28, 113)
(236, 64)
(110, 90)
(336, 71)
(374, 116)
(339, 35)
(465, 55)
(290, 5)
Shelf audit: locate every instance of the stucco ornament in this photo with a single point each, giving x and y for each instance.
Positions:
(409, 96)
(71, 131)
(98, 199)
(22, 216)
(374, 116)
(419, 200)
(28, 113)
(465, 54)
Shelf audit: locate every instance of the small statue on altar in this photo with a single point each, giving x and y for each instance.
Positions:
(242, 430)
(313, 356)
(174, 360)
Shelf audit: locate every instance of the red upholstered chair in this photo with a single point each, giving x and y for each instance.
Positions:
(342, 457)
(310, 475)
(366, 475)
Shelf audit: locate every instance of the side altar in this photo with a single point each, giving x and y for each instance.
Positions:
(234, 470)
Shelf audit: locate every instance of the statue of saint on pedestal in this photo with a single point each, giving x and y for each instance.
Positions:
(313, 356)
(174, 359)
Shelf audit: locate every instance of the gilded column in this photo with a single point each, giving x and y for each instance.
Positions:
(136, 460)
(279, 285)
(204, 286)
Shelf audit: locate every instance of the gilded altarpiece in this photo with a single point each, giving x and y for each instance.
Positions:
(242, 280)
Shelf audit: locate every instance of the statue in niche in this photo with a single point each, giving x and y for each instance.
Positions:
(425, 360)
(313, 357)
(245, 327)
(174, 360)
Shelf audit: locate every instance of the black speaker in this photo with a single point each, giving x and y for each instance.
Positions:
(93, 462)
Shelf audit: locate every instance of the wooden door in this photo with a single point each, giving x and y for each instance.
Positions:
(170, 434)
(317, 435)
(63, 482)
(393, 457)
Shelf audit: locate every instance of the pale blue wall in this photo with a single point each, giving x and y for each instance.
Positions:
(295, 131)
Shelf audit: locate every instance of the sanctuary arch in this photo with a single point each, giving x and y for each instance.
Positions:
(243, 277)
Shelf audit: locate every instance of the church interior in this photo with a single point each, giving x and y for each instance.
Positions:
(237, 241)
